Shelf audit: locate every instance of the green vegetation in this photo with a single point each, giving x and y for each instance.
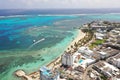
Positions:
(70, 79)
(96, 43)
(103, 77)
(89, 35)
(61, 71)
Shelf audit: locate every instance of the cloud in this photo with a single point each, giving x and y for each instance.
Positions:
(59, 3)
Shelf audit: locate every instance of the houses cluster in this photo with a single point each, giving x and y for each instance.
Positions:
(84, 57)
(108, 70)
(115, 60)
(113, 39)
(104, 59)
(106, 52)
(100, 34)
(103, 25)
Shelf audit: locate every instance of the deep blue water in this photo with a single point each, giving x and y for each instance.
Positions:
(9, 12)
(12, 29)
(27, 39)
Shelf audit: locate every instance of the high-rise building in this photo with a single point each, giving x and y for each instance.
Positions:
(67, 59)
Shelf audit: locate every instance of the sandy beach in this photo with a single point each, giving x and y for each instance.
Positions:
(79, 36)
(53, 64)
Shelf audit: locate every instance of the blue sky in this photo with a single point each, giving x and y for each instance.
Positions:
(44, 4)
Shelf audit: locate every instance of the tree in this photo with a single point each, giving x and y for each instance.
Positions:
(71, 46)
(68, 48)
(75, 44)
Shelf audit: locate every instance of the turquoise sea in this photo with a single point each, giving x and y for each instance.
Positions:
(30, 41)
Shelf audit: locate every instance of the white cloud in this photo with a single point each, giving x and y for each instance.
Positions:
(60, 3)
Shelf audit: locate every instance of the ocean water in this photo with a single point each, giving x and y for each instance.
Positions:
(30, 41)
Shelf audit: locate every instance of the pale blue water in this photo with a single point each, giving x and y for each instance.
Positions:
(28, 42)
(81, 61)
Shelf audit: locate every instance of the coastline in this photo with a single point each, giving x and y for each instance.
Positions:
(54, 63)
(79, 36)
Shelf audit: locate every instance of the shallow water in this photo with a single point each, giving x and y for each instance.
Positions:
(31, 41)
(28, 42)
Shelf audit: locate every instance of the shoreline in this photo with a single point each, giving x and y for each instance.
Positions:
(79, 36)
(54, 62)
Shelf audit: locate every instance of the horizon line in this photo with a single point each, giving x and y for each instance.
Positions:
(55, 8)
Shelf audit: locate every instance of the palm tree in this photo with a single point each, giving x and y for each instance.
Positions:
(75, 44)
(68, 48)
(71, 46)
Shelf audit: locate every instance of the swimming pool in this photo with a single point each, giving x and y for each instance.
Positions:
(80, 61)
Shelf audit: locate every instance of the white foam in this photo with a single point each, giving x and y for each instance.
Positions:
(67, 14)
(36, 42)
(55, 15)
(14, 16)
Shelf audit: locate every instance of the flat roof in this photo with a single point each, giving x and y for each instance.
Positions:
(47, 72)
(108, 50)
(103, 53)
(106, 66)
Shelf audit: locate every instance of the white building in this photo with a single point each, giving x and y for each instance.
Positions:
(67, 59)
(99, 36)
(103, 54)
(95, 27)
(85, 51)
(47, 74)
(107, 70)
(115, 60)
(83, 57)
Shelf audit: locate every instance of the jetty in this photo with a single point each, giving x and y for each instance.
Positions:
(22, 74)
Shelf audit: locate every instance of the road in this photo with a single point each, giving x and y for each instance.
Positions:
(86, 72)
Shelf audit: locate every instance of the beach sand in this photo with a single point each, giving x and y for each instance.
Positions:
(53, 64)
(79, 37)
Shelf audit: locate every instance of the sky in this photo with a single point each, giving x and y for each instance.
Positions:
(55, 4)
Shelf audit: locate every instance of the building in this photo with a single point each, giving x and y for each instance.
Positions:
(99, 36)
(107, 70)
(106, 52)
(67, 59)
(84, 57)
(85, 51)
(113, 39)
(95, 27)
(115, 60)
(47, 74)
(112, 45)
(118, 39)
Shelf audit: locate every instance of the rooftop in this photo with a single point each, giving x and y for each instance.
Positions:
(107, 68)
(114, 59)
(85, 50)
(47, 72)
(107, 51)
